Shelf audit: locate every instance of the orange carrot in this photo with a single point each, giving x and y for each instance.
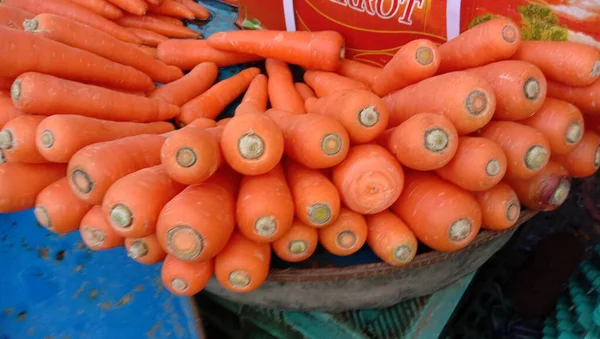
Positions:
(442, 216)
(82, 65)
(169, 19)
(7, 109)
(203, 123)
(58, 137)
(359, 71)
(325, 83)
(584, 160)
(58, 209)
(17, 139)
(171, 8)
(101, 7)
(526, 149)
(570, 63)
(304, 91)
(185, 278)
(346, 235)
(494, 40)
(186, 54)
(210, 103)
(369, 180)
(199, 11)
(75, 12)
(222, 122)
(587, 99)
(243, 265)
(546, 190)
(190, 86)
(156, 25)
(89, 39)
(150, 51)
(137, 7)
(13, 17)
(94, 168)
(132, 204)
(96, 233)
(424, 142)
(478, 164)
(149, 38)
(415, 61)
(312, 50)
(520, 88)
(314, 140)
(145, 250)
(21, 183)
(30, 94)
(500, 207)
(362, 113)
(297, 244)
(316, 199)
(464, 98)
(256, 97)
(391, 239)
(282, 93)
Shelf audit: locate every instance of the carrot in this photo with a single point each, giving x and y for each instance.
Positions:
(199, 11)
(256, 97)
(149, 38)
(526, 149)
(30, 94)
(369, 180)
(587, 99)
(190, 86)
(137, 7)
(222, 122)
(584, 160)
(58, 209)
(203, 123)
(186, 54)
(346, 235)
(5, 83)
(304, 91)
(210, 103)
(282, 93)
(21, 183)
(491, 41)
(145, 250)
(391, 239)
(359, 71)
(7, 109)
(464, 98)
(362, 113)
(89, 39)
(314, 140)
(185, 278)
(478, 164)
(325, 83)
(150, 51)
(72, 11)
(101, 7)
(13, 17)
(520, 88)
(96, 233)
(500, 207)
(156, 25)
(82, 65)
(570, 63)
(132, 204)
(94, 168)
(297, 244)
(415, 61)
(17, 139)
(546, 190)
(165, 18)
(424, 142)
(243, 265)
(442, 216)
(172, 8)
(154, 2)
(316, 199)
(198, 222)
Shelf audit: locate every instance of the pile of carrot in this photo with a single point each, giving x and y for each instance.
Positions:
(441, 142)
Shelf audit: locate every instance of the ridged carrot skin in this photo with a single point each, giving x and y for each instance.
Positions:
(58, 209)
(96, 233)
(21, 183)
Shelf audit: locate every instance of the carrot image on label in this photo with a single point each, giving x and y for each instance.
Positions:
(316, 199)
(13, 17)
(493, 40)
(184, 277)
(101, 7)
(362, 113)
(196, 82)
(145, 250)
(96, 233)
(584, 160)
(346, 235)
(464, 98)
(500, 207)
(442, 216)
(243, 265)
(560, 122)
(156, 25)
(297, 244)
(312, 50)
(187, 54)
(478, 164)
(324, 83)
(424, 142)
(149, 38)
(282, 93)
(256, 98)
(21, 183)
(359, 71)
(587, 99)
(17, 139)
(58, 209)
(304, 91)
(369, 180)
(390, 238)
(526, 149)
(520, 88)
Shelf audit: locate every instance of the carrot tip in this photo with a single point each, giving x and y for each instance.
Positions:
(47, 138)
(531, 89)
(15, 90)
(492, 168)
(561, 192)
(239, 278)
(185, 242)
(509, 33)
(403, 253)
(368, 117)
(6, 139)
(186, 157)
(436, 140)
(476, 102)
(82, 181)
(319, 213)
(31, 25)
(574, 132)
(178, 284)
(346, 239)
(297, 246)
(536, 157)
(331, 144)
(42, 217)
(460, 230)
(513, 211)
(424, 56)
(137, 249)
(251, 146)
(121, 216)
(93, 237)
(266, 226)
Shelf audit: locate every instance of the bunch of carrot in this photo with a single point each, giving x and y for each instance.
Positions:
(442, 141)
